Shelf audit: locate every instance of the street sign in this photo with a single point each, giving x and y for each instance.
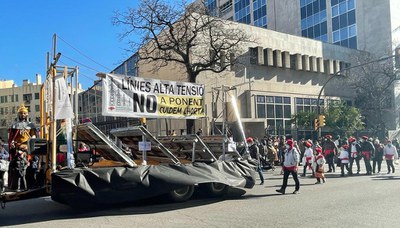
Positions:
(144, 146)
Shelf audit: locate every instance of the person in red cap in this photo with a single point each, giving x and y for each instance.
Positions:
(329, 150)
(390, 153)
(354, 155)
(367, 150)
(319, 163)
(308, 158)
(290, 166)
(344, 159)
(255, 155)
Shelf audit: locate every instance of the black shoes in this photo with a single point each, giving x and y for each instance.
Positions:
(280, 191)
(296, 192)
(262, 182)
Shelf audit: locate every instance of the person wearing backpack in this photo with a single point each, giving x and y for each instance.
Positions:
(290, 166)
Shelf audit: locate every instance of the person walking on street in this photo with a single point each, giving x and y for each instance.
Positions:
(329, 150)
(308, 158)
(354, 155)
(290, 166)
(367, 151)
(344, 159)
(390, 153)
(255, 154)
(319, 163)
(378, 156)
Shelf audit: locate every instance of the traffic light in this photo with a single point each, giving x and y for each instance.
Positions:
(316, 124)
(322, 122)
(142, 121)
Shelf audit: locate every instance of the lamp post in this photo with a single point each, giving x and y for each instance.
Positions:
(345, 69)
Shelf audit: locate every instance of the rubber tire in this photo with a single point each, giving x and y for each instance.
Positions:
(181, 194)
(213, 189)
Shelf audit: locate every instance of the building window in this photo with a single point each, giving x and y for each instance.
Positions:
(37, 108)
(277, 111)
(260, 13)
(27, 97)
(212, 7)
(344, 27)
(242, 11)
(37, 96)
(3, 99)
(313, 19)
(308, 104)
(16, 97)
(11, 98)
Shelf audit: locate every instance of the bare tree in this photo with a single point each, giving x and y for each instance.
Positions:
(373, 85)
(184, 34)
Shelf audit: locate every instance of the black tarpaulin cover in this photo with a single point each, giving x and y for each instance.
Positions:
(114, 185)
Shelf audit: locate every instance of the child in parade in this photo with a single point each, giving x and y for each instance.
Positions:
(308, 158)
(319, 166)
(344, 159)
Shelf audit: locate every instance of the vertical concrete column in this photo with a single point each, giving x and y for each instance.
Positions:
(329, 66)
(336, 65)
(278, 58)
(299, 62)
(313, 63)
(260, 55)
(306, 63)
(286, 59)
(268, 57)
(320, 65)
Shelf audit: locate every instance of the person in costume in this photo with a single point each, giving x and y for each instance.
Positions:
(18, 135)
(319, 163)
(390, 153)
(344, 159)
(367, 151)
(290, 166)
(329, 150)
(354, 155)
(308, 158)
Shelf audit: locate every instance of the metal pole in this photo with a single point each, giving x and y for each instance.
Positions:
(223, 121)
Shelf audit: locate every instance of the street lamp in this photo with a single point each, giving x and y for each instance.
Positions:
(348, 68)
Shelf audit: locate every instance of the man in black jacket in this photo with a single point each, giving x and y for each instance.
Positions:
(367, 152)
(255, 154)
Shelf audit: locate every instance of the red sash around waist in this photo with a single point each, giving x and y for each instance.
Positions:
(389, 156)
(327, 152)
(366, 154)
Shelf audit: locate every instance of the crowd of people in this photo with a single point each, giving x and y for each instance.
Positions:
(313, 155)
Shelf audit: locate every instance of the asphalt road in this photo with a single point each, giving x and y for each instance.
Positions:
(358, 201)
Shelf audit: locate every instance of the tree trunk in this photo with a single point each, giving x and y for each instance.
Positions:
(190, 122)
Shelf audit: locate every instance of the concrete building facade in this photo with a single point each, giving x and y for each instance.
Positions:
(12, 96)
(348, 23)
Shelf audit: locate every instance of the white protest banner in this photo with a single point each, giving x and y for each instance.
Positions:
(63, 103)
(126, 96)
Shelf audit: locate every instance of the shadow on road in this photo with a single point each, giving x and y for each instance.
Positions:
(385, 178)
(44, 209)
